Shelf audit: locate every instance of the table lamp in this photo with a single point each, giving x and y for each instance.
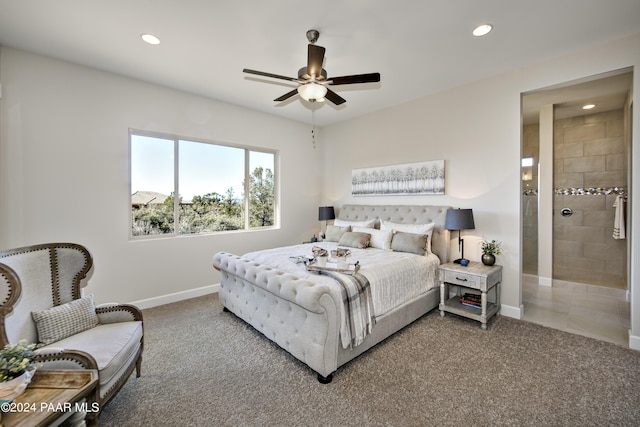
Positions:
(460, 219)
(326, 213)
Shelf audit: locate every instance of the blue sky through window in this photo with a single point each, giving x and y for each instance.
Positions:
(203, 168)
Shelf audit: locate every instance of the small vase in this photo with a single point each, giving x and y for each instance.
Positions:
(488, 259)
(13, 388)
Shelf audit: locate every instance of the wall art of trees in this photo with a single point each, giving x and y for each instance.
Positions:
(408, 179)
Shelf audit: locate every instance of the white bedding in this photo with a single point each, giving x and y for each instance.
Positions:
(394, 277)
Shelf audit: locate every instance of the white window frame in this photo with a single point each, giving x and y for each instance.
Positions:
(176, 170)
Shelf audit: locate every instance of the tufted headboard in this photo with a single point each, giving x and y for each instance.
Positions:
(405, 214)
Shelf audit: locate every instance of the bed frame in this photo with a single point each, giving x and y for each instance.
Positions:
(302, 317)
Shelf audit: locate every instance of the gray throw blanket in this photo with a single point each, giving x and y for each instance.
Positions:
(356, 295)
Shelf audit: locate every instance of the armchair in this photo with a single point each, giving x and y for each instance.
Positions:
(44, 282)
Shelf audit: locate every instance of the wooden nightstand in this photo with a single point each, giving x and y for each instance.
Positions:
(476, 276)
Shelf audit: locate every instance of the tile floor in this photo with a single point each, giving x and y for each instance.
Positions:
(593, 311)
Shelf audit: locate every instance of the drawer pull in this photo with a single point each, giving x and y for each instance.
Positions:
(461, 279)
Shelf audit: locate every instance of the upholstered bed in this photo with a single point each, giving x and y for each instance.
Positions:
(303, 311)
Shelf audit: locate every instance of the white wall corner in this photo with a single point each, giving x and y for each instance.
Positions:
(510, 311)
(177, 296)
(634, 341)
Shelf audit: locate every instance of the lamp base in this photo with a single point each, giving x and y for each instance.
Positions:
(462, 261)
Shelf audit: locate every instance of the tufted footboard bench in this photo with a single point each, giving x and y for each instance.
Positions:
(305, 318)
(300, 316)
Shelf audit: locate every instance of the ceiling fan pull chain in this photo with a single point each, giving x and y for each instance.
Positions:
(313, 128)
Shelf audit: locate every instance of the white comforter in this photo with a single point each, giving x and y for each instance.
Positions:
(394, 277)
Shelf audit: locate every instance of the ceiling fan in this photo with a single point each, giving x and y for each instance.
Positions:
(313, 81)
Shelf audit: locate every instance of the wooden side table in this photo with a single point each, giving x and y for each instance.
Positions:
(52, 393)
(476, 276)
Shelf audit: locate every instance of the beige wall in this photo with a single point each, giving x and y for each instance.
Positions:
(63, 146)
(477, 130)
(589, 152)
(64, 173)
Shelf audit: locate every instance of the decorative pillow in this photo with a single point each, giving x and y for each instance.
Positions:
(355, 240)
(407, 228)
(334, 233)
(65, 320)
(369, 223)
(380, 239)
(426, 229)
(409, 242)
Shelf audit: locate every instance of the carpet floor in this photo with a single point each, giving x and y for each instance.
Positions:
(204, 367)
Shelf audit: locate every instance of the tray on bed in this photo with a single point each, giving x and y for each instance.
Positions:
(331, 266)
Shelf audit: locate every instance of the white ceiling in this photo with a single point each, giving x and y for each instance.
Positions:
(420, 47)
(607, 92)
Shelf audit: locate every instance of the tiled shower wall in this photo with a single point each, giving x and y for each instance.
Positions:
(530, 148)
(589, 152)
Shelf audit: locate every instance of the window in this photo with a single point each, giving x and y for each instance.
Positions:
(527, 169)
(218, 187)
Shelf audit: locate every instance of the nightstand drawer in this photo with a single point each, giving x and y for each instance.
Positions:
(464, 279)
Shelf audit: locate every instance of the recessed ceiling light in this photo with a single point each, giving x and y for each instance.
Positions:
(150, 38)
(482, 30)
(588, 106)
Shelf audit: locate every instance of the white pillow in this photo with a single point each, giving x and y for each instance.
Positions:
(425, 229)
(380, 239)
(369, 223)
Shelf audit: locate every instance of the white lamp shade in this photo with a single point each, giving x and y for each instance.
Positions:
(312, 92)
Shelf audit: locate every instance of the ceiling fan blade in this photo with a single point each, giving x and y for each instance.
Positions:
(334, 97)
(356, 78)
(274, 76)
(315, 59)
(287, 95)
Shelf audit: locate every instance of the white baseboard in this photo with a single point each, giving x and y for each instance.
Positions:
(634, 341)
(510, 311)
(540, 280)
(177, 296)
(545, 281)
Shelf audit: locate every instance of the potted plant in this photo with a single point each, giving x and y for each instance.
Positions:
(490, 250)
(16, 368)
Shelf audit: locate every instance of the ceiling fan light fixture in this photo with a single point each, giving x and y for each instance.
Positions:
(312, 92)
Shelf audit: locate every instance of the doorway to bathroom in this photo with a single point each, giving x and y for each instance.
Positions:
(575, 182)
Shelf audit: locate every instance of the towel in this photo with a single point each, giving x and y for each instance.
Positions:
(618, 222)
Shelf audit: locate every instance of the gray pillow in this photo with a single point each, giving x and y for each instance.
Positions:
(65, 320)
(355, 240)
(409, 242)
(334, 233)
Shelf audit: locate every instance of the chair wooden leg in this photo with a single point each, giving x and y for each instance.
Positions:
(138, 367)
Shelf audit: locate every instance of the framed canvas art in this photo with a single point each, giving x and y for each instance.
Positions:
(408, 179)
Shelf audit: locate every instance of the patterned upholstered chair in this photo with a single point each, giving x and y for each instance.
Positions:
(40, 301)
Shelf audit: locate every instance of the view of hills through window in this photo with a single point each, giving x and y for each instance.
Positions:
(219, 187)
